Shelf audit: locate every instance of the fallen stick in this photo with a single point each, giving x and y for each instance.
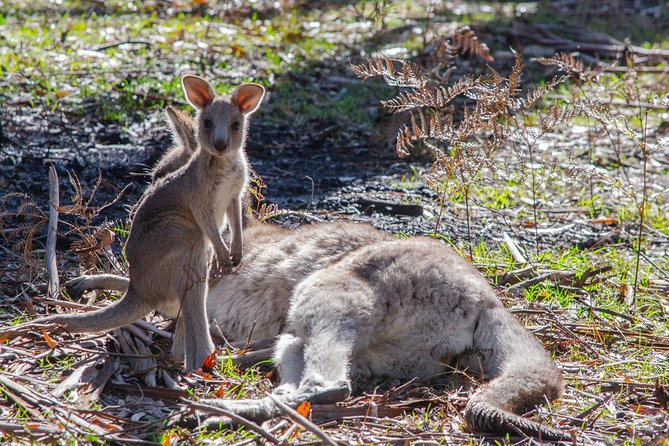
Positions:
(51, 265)
(514, 249)
(559, 276)
(28, 429)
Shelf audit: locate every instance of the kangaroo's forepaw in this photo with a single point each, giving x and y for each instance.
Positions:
(236, 256)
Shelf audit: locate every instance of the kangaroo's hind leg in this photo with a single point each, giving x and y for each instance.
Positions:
(328, 321)
(332, 311)
(197, 343)
(289, 360)
(178, 349)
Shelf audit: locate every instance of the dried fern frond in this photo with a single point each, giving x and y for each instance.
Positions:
(536, 93)
(465, 39)
(439, 97)
(516, 73)
(572, 66)
(405, 74)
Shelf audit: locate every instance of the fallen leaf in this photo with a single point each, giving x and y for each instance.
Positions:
(204, 375)
(624, 377)
(527, 224)
(238, 51)
(220, 392)
(304, 408)
(50, 342)
(167, 438)
(604, 221)
(210, 362)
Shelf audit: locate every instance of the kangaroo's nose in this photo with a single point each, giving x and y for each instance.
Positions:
(221, 145)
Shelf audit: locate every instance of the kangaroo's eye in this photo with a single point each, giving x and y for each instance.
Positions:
(235, 125)
(207, 124)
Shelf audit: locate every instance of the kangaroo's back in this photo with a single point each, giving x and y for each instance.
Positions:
(276, 260)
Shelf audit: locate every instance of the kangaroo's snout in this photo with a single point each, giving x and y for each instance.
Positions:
(221, 145)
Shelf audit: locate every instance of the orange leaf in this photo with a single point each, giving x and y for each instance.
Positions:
(210, 362)
(220, 392)
(238, 51)
(50, 342)
(204, 375)
(62, 94)
(527, 224)
(604, 221)
(167, 439)
(304, 408)
(624, 377)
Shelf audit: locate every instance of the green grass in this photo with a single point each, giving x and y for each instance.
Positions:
(55, 57)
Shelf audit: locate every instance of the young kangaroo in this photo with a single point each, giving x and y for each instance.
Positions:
(178, 221)
(347, 301)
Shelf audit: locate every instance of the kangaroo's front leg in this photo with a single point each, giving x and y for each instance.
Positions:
(234, 215)
(206, 220)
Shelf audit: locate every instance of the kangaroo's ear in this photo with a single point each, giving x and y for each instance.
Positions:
(182, 128)
(199, 92)
(247, 97)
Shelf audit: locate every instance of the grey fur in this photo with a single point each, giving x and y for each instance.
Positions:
(184, 144)
(347, 301)
(178, 222)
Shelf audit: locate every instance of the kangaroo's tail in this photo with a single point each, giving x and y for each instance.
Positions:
(122, 312)
(523, 376)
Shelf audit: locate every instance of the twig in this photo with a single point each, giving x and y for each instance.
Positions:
(515, 276)
(514, 249)
(124, 42)
(27, 429)
(299, 419)
(51, 265)
(234, 417)
(553, 275)
(152, 328)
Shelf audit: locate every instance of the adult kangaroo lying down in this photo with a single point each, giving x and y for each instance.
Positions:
(348, 301)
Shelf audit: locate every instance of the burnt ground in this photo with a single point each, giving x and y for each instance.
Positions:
(318, 157)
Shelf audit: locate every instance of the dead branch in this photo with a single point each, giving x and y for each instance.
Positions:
(514, 249)
(54, 203)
